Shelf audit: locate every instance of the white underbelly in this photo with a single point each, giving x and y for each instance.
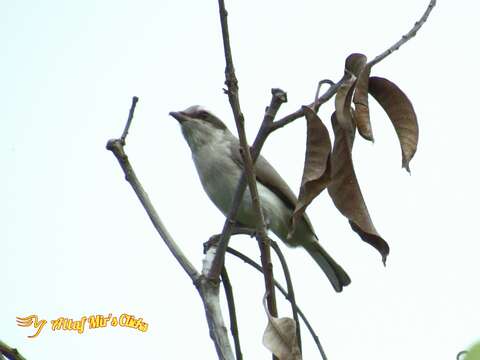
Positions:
(220, 177)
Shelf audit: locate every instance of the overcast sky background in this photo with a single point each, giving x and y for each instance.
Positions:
(75, 240)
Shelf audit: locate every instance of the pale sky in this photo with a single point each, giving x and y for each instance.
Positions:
(76, 241)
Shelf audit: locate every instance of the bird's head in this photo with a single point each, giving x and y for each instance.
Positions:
(200, 126)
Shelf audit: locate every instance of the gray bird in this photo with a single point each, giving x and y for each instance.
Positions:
(216, 154)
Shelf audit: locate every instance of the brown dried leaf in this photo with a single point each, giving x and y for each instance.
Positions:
(360, 99)
(346, 194)
(343, 101)
(355, 63)
(280, 337)
(400, 111)
(316, 171)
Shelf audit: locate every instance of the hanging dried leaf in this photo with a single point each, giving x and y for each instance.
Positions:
(343, 101)
(346, 194)
(360, 99)
(316, 171)
(400, 111)
(355, 63)
(280, 337)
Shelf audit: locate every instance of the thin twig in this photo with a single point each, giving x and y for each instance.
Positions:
(407, 36)
(332, 90)
(291, 292)
(234, 99)
(116, 147)
(129, 121)
(284, 293)
(9, 352)
(278, 98)
(319, 86)
(227, 286)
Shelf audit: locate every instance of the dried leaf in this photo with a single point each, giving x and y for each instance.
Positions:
(400, 111)
(360, 99)
(355, 63)
(343, 100)
(316, 171)
(346, 194)
(280, 337)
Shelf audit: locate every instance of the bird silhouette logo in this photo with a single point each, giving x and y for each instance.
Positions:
(32, 320)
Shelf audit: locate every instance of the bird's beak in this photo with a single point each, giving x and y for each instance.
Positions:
(179, 116)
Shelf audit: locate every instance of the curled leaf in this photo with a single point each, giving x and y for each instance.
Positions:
(316, 171)
(280, 337)
(360, 99)
(400, 111)
(343, 101)
(346, 194)
(355, 63)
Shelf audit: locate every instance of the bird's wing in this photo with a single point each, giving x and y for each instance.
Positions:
(269, 177)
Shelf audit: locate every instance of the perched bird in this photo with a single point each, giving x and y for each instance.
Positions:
(217, 157)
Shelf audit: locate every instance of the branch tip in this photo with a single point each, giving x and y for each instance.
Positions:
(413, 31)
(129, 120)
(280, 95)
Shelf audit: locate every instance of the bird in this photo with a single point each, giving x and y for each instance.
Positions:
(219, 164)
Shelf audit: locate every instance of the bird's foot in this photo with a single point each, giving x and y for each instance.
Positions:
(244, 230)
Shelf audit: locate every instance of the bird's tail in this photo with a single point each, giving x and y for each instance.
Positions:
(337, 276)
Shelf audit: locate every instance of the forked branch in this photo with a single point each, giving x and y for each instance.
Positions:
(207, 281)
(209, 291)
(233, 97)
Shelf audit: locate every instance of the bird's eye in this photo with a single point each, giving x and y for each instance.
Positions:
(202, 115)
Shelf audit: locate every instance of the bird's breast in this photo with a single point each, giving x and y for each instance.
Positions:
(218, 173)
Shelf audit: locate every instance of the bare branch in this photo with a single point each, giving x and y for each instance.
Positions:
(405, 37)
(291, 292)
(9, 352)
(332, 90)
(261, 233)
(116, 146)
(129, 121)
(207, 282)
(319, 86)
(249, 170)
(232, 91)
(278, 98)
(209, 291)
(233, 97)
(232, 312)
(285, 294)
